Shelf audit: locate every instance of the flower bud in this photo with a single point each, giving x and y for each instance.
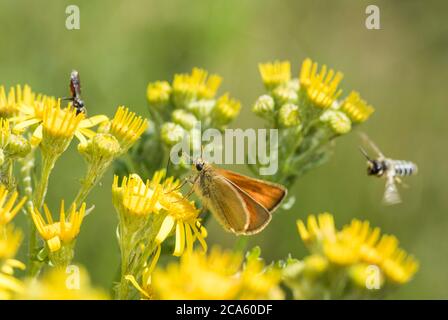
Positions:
(17, 147)
(288, 115)
(201, 108)
(171, 133)
(338, 122)
(264, 106)
(102, 146)
(285, 94)
(184, 118)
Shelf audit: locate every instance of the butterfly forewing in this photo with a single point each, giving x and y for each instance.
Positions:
(267, 194)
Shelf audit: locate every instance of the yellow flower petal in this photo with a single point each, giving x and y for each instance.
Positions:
(37, 136)
(93, 121)
(180, 239)
(165, 229)
(132, 280)
(25, 124)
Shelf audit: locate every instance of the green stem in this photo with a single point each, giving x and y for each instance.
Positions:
(48, 162)
(133, 259)
(95, 172)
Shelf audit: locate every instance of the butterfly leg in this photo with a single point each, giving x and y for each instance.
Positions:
(190, 192)
(184, 182)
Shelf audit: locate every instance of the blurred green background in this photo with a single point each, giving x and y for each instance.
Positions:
(122, 45)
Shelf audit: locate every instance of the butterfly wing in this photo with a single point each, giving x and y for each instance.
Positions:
(267, 194)
(259, 216)
(224, 201)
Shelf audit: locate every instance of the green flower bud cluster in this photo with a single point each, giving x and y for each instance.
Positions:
(178, 110)
(307, 113)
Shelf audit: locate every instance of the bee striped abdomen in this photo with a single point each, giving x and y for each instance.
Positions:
(404, 168)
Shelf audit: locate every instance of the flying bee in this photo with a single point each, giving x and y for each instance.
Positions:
(75, 90)
(392, 170)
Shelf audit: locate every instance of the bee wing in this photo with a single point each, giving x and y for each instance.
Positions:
(391, 195)
(375, 148)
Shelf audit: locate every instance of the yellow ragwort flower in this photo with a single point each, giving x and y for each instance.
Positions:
(60, 232)
(359, 243)
(197, 85)
(218, 275)
(134, 198)
(50, 109)
(226, 109)
(16, 99)
(158, 93)
(198, 276)
(8, 208)
(356, 108)
(182, 216)
(72, 283)
(380, 250)
(276, 73)
(127, 127)
(322, 88)
(316, 230)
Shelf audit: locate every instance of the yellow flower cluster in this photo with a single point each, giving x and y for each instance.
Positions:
(190, 99)
(47, 116)
(135, 198)
(220, 275)
(357, 243)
